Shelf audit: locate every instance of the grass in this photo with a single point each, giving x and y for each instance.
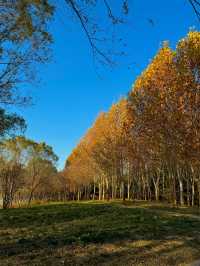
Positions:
(92, 233)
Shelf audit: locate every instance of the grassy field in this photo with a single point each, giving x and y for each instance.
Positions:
(99, 234)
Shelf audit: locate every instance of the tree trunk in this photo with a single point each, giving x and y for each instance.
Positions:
(181, 191)
(6, 201)
(174, 190)
(112, 188)
(156, 193)
(94, 191)
(123, 192)
(103, 190)
(30, 198)
(156, 187)
(99, 189)
(198, 184)
(188, 192)
(193, 191)
(128, 189)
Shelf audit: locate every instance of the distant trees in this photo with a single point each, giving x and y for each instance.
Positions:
(26, 167)
(40, 168)
(11, 169)
(147, 146)
(10, 181)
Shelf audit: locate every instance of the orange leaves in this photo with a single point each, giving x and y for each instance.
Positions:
(165, 98)
(155, 74)
(159, 123)
(103, 144)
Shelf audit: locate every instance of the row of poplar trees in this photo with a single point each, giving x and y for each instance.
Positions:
(147, 146)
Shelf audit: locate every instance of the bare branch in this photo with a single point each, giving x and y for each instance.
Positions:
(83, 23)
(192, 2)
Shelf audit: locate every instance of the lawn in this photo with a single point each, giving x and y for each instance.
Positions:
(92, 233)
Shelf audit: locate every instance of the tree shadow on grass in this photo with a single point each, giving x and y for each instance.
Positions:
(157, 252)
(100, 226)
(82, 225)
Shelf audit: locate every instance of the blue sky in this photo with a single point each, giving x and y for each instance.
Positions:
(71, 94)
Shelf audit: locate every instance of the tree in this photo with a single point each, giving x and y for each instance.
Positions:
(11, 167)
(11, 180)
(40, 167)
(24, 42)
(10, 123)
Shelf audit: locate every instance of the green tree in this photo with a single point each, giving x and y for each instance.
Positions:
(10, 123)
(11, 171)
(24, 41)
(26, 165)
(40, 167)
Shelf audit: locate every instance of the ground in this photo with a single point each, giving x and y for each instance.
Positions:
(92, 233)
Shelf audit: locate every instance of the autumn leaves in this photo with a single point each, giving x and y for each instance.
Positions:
(148, 145)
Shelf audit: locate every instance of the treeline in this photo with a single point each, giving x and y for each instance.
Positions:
(147, 146)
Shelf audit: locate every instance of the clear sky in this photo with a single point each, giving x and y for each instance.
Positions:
(71, 94)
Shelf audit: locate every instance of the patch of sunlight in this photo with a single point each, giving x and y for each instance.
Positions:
(164, 245)
(178, 214)
(110, 248)
(141, 243)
